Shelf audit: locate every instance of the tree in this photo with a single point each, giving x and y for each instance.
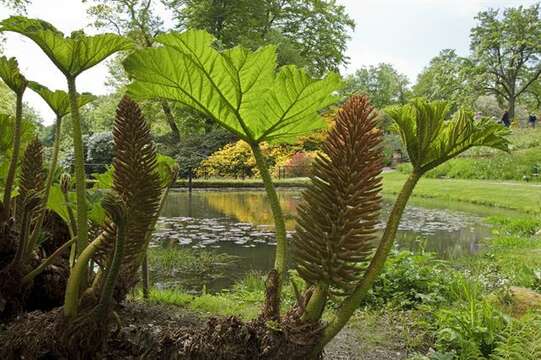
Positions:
(138, 20)
(532, 97)
(311, 33)
(17, 5)
(506, 52)
(446, 78)
(383, 84)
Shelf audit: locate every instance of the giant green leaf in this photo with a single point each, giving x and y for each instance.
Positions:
(58, 100)
(431, 138)
(71, 54)
(6, 135)
(10, 74)
(238, 88)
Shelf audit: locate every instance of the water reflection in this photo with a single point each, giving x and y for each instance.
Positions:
(242, 219)
(239, 223)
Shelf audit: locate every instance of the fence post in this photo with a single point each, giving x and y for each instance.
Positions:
(190, 179)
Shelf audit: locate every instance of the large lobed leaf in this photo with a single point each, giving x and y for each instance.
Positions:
(11, 75)
(431, 138)
(58, 100)
(71, 54)
(336, 227)
(6, 138)
(238, 88)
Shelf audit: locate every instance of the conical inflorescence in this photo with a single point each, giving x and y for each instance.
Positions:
(336, 227)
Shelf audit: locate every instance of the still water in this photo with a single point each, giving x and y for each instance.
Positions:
(239, 223)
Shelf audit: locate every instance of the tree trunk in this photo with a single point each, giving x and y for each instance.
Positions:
(170, 120)
(511, 108)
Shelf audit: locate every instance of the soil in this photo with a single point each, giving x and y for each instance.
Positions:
(349, 345)
(147, 330)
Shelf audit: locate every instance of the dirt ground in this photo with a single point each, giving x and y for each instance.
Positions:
(143, 324)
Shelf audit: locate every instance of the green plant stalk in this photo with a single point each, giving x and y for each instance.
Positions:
(23, 239)
(145, 276)
(10, 178)
(48, 184)
(113, 273)
(351, 303)
(80, 179)
(144, 264)
(316, 304)
(280, 260)
(78, 272)
(72, 224)
(31, 275)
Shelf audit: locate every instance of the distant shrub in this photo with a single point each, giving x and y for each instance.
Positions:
(298, 165)
(237, 161)
(233, 160)
(391, 145)
(501, 166)
(409, 280)
(99, 151)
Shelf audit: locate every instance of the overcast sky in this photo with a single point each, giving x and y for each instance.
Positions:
(405, 33)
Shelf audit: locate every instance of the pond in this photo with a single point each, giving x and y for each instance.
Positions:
(238, 223)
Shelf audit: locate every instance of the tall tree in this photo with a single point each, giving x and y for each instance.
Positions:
(506, 51)
(139, 20)
(383, 84)
(446, 78)
(17, 5)
(532, 97)
(311, 33)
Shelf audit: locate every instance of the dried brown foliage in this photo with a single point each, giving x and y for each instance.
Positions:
(336, 229)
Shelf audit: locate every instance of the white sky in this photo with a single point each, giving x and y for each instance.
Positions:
(405, 33)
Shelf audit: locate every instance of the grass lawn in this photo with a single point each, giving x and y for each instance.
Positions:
(519, 196)
(507, 195)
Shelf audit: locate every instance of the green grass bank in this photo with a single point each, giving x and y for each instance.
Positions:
(511, 195)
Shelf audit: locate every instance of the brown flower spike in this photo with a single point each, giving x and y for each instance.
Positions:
(336, 225)
(136, 181)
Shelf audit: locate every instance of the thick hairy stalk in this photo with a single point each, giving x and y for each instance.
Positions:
(10, 178)
(280, 257)
(31, 275)
(144, 265)
(350, 304)
(117, 211)
(79, 272)
(65, 185)
(336, 225)
(26, 219)
(316, 303)
(145, 277)
(80, 178)
(49, 182)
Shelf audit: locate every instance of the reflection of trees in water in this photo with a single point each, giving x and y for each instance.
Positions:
(253, 207)
(448, 233)
(465, 241)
